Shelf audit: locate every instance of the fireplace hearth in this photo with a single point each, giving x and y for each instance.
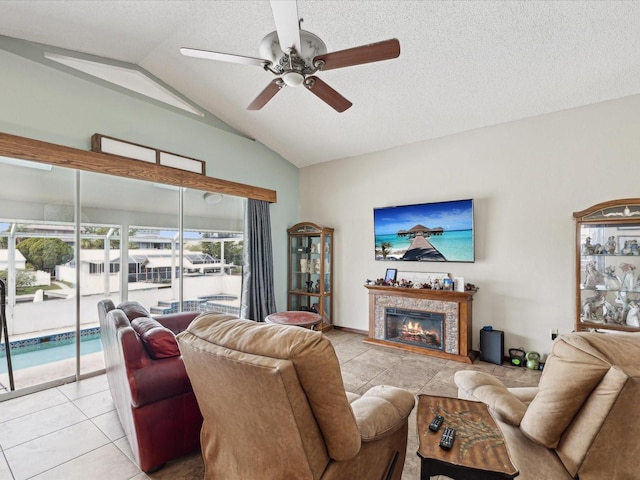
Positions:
(411, 327)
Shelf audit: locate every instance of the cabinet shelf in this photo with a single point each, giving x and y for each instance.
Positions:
(622, 328)
(608, 266)
(311, 268)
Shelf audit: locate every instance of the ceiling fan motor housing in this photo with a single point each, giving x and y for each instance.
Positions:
(294, 65)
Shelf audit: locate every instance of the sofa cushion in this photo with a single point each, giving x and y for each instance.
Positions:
(159, 341)
(133, 310)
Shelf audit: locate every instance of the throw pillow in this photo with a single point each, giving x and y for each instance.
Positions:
(159, 341)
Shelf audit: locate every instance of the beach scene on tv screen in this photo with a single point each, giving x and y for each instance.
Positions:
(426, 232)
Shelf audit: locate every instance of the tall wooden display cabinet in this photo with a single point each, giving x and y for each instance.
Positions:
(310, 284)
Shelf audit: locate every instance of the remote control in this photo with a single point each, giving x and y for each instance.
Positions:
(446, 442)
(435, 423)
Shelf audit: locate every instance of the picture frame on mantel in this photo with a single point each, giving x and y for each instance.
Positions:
(391, 275)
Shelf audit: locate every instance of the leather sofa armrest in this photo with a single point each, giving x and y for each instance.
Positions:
(492, 392)
(381, 411)
(159, 380)
(176, 322)
(151, 380)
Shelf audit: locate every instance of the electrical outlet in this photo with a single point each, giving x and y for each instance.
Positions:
(554, 333)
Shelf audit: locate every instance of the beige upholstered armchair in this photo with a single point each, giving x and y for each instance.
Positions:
(275, 408)
(582, 421)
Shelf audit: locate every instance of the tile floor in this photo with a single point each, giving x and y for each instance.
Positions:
(72, 432)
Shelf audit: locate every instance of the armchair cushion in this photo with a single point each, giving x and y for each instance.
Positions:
(381, 411)
(159, 341)
(573, 367)
(492, 392)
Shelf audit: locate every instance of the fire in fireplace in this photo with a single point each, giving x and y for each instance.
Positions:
(421, 329)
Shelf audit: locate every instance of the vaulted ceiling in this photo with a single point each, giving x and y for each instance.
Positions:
(463, 64)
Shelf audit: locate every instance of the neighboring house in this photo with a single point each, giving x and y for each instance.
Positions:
(145, 265)
(20, 261)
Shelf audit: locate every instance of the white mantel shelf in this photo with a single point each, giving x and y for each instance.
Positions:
(461, 301)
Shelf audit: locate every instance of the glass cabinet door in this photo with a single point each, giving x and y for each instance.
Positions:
(608, 262)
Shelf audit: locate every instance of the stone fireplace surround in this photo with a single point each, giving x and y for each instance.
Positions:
(456, 307)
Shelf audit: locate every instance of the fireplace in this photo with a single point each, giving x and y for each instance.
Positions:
(428, 322)
(412, 327)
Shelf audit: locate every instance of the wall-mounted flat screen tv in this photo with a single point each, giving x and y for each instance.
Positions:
(426, 232)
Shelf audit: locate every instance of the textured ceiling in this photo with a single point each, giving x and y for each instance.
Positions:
(463, 65)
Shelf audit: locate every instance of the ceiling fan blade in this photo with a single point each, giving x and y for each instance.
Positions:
(267, 94)
(374, 52)
(327, 94)
(223, 57)
(285, 14)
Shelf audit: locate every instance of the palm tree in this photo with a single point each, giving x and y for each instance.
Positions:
(385, 249)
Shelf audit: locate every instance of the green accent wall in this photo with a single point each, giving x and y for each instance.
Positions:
(56, 105)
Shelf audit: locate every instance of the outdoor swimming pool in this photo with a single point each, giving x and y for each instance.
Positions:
(49, 351)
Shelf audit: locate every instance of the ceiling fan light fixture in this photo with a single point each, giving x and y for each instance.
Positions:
(293, 79)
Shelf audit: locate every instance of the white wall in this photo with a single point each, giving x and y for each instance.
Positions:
(526, 179)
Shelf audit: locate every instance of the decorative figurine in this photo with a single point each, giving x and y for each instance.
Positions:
(610, 246)
(630, 248)
(611, 280)
(632, 316)
(589, 249)
(628, 276)
(612, 314)
(590, 307)
(592, 276)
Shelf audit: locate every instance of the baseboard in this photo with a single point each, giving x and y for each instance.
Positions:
(351, 330)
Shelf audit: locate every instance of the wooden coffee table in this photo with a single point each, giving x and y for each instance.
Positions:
(478, 452)
(297, 318)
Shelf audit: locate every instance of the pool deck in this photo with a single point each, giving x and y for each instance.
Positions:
(29, 377)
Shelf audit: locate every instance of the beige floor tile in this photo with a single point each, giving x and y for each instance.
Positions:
(340, 336)
(95, 404)
(523, 376)
(104, 463)
(17, 407)
(86, 387)
(346, 351)
(43, 453)
(109, 424)
(34, 425)
(123, 446)
(5, 473)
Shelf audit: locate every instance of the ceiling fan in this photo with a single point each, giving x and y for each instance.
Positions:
(294, 56)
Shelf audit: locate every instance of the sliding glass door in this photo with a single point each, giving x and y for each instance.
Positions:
(69, 239)
(37, 235)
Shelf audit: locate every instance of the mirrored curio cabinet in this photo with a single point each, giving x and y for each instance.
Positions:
(607, 264)
(311, 270)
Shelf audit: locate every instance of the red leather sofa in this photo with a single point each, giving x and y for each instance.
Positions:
(148, 382)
